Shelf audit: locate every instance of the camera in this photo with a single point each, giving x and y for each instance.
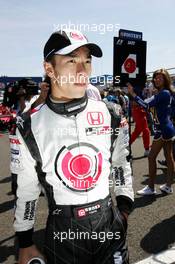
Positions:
(26, 87)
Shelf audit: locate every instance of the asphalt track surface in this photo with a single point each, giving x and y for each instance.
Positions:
(151, 226)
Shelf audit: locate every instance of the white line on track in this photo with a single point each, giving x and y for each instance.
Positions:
(165, 257)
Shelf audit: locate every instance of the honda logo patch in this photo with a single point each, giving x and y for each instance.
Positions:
(95, 118)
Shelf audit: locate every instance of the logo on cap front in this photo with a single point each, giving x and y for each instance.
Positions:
(76, 36)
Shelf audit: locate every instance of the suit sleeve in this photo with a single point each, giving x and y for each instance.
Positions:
(146, 104)
(28, 191)
(121, 169)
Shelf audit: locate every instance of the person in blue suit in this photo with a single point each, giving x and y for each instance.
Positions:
(164, 130)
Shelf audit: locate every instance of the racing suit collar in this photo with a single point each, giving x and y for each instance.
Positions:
(70, 108)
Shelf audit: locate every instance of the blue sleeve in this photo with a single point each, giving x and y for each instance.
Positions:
(145, 105)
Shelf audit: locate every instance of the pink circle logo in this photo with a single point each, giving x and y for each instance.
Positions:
(80, 165)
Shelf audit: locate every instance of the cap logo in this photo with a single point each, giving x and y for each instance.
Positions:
(76, 36)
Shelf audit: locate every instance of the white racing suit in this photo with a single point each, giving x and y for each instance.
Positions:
(70, 157)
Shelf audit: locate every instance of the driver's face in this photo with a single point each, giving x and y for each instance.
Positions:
(72, 73)
(159, 81)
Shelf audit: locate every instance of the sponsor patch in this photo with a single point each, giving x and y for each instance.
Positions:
(14, 151)
(118, 174)
(15, 165)
(30, 210)
(79, 166)
(16, 161)
(85, 211)
(15, 141)
(19, 121)
(95, 118)
(117, 258)
(76, 36)
(102, 130)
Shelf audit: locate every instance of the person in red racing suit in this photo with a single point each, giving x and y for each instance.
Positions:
(65, 147)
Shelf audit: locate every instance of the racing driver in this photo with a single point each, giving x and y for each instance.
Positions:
(73, 148)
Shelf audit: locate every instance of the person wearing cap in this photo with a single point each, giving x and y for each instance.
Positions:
(65, 148)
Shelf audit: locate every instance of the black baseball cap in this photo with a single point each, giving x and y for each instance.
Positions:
(64, 42)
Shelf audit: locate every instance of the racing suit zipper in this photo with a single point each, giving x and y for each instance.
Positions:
(78, 137)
